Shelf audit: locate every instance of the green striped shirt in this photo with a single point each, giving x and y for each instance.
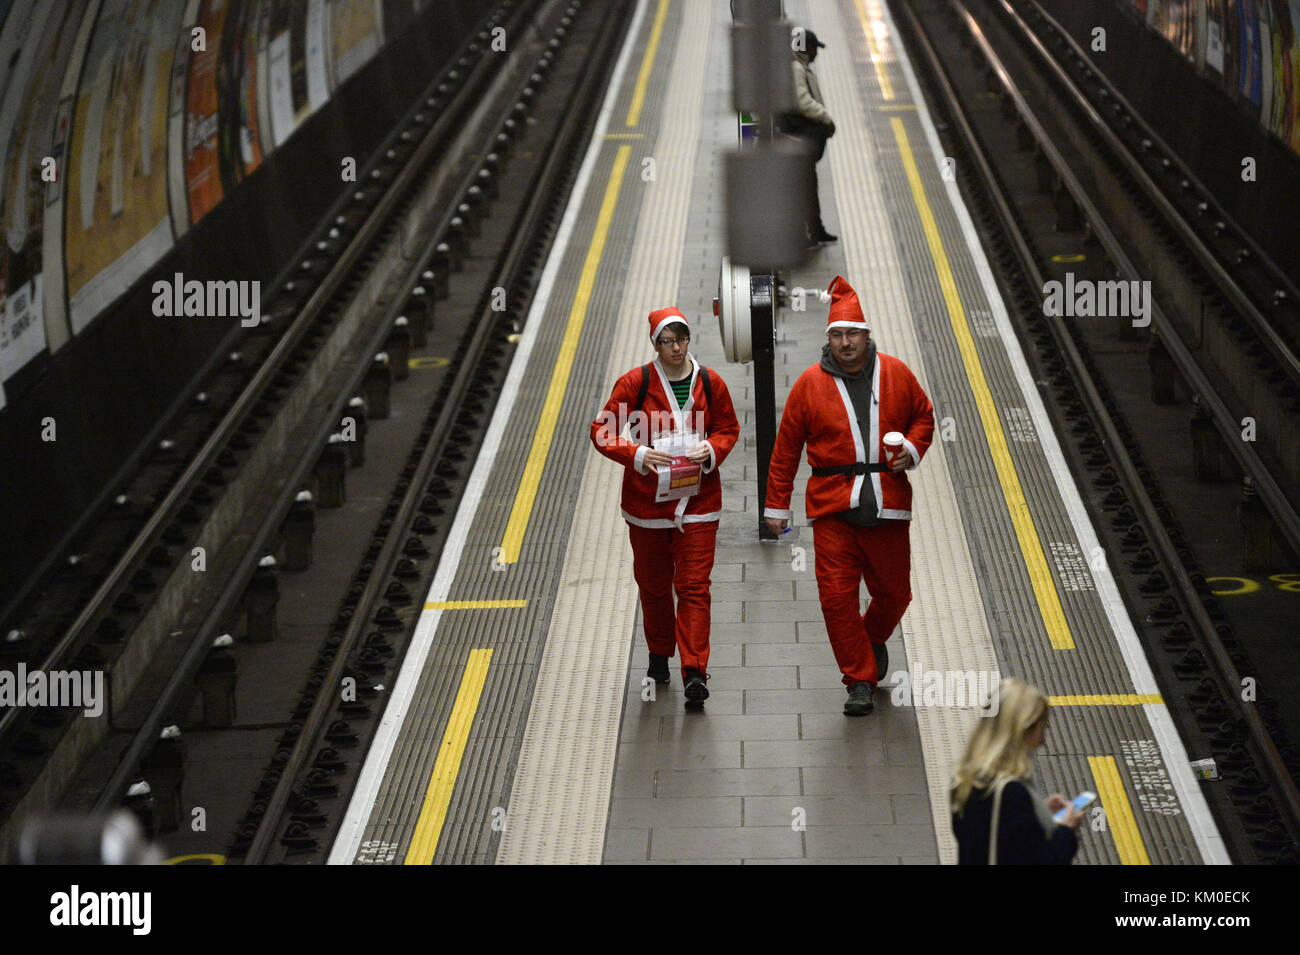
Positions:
(682, 389)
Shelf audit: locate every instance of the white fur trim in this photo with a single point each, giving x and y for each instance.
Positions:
(911, 449)
(679, 411)
(671, 319)
(855, 494)
(874, 446)
(659, 523)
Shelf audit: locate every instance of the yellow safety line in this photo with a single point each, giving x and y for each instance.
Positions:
(1049, 602)
(536, 460)
(1106, 699)
(647, 64)
(428, 828)
(474, 604)
(1119, 812)
(212, 858)
(877, 58)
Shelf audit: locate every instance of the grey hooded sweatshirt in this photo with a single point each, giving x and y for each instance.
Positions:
(859, 388)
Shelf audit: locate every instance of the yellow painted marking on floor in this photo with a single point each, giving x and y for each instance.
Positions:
(428, 829)
(1049, 602)
(1119, 811)
(536, 460)
(1065, 257)
(474, 604)
(211, 858)
(624, 135)
(877, 58)
(1244, 586)
(1106, 699)
(647, 64)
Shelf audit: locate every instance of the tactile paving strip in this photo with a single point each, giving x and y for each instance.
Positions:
(946, 625)
(560, 798)
(470, 832)
(1098, 665)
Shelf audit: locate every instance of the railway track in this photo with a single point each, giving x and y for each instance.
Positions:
(259, 429)
(291, 800)
(1014, 116)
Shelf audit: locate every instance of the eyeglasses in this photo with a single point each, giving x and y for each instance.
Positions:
(674, 341)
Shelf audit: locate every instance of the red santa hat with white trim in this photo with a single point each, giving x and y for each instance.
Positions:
(845, 311)
(662, 318)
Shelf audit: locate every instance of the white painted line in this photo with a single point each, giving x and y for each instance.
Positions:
(1199, 819)
(348, 841)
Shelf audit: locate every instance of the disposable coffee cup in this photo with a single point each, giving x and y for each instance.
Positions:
(893, 447)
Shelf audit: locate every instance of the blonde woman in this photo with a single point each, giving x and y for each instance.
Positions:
(995, 773)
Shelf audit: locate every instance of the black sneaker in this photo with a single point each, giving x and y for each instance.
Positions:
(882, 661)
(696, 691)
(658, 669)
(859, 701)
(823, 237)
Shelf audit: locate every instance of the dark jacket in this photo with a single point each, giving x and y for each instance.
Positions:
(859, 388)
(1021, 838)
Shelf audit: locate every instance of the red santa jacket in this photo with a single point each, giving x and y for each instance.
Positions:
(716, 424)
(819, 413)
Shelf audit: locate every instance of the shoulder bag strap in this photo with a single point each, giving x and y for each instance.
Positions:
(993, 830)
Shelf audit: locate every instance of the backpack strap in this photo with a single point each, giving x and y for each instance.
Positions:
(645, 387)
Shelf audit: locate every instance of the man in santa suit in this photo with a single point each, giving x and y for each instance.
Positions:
(674, 408)
(859, 500)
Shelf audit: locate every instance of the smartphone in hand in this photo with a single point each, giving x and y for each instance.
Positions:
(1080, 802)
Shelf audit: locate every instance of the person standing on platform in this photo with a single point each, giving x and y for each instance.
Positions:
(811, 122)
(679, 411)
(865, 420)
(998, 817)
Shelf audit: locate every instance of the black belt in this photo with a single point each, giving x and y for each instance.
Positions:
(851, 469)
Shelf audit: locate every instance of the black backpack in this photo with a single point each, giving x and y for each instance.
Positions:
(645, 387)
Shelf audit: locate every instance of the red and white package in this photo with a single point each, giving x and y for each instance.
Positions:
(677, 480)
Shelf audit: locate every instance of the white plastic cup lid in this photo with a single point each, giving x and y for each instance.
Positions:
(894, 439)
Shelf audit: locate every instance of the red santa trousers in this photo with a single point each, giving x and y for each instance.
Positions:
(664, 560)
(846, 555)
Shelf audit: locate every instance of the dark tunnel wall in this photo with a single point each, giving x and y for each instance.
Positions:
(1206, 107)
(107, 387)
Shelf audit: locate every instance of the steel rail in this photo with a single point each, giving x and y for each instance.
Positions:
(182, 675)
(1226, 672)
(329, 285)
(1228, 424)
(484, 328)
